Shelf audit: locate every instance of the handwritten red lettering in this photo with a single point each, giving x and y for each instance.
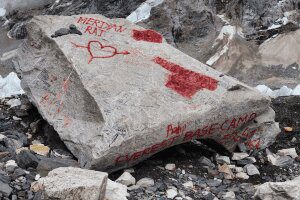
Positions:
(98, 27)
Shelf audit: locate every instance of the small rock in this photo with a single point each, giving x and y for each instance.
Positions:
(227, 171)
(294, 139)
(170, 167)
(16, 118)
(145, 182)
(40, 149)
(239, 169)
(288, 152)
(246, 161)
(214, 182)
(66, 182)
(5, 189)
(242, 175)
(171, 193)
(239, 156)
(206, 162)
(251, 170)
(223, 159)
(14, 103)
(26, 159)
(228, 196)
(126, 179)
(288, 129)
(115, 191)
(189, 185)
(10, 166)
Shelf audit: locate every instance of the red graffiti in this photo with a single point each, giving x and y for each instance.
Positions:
(97, 50)
(147, 35)
(185, 82)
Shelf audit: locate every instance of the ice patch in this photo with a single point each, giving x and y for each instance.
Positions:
(283, 91)
(2, 12)
(10, 85)
(143, 12)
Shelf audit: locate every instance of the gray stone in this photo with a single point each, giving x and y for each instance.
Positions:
(239, 156)
(203, 161)
(46, 165)
(171, 193)
(214, 182)
(228, 196)
(288, 190)
(26, 159)
(242, 175)
(145, 182)
(126, 179)
(223, 159)
(277, 160)
(74, 183)
(288, 152)
(251, 170)
(127, 94)
(115, 191)
(5, 189)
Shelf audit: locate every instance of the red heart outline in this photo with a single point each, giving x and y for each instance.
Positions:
(92, 54)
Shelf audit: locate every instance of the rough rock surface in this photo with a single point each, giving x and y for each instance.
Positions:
(74, 184)
(288, 190)
(110, 93)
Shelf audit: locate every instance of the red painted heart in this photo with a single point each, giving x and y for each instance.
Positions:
(97, 50)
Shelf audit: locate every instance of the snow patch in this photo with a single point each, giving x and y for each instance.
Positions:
(283, 91)
(143, 12)
(2, 12)
(279, 22)
(228, 31)
(10, 85)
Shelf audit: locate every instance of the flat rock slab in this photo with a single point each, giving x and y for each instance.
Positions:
(117, 93)
(74, 184)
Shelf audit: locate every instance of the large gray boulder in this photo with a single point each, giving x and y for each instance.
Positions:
(288, 190)
(117, 93)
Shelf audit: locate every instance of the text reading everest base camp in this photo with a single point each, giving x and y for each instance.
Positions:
(178, 133)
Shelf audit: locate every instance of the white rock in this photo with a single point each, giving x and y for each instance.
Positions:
(239, 169)
(37, 177)
(145, 182)
(171, 193)
(251, 170)
(189, 184)
(16, 118)
(170, 167)
(288, 190)
(228, 196)
(10, 165)
(14, 103)
(223, 159)
(67, 183)
(242, 175)
(126, 179)
(288, 152)
(115, 191)
(239, 156)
